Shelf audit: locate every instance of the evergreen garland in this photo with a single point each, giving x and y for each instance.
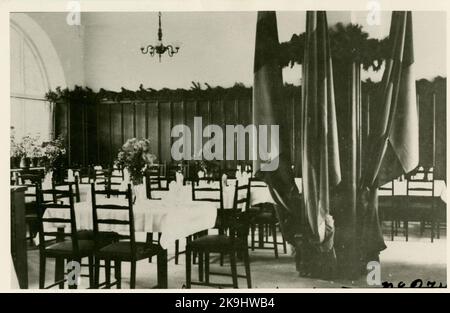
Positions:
(348, 43)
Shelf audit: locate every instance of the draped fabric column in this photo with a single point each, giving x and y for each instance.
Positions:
(321, 171)
(268, 110)
(394, 141)
(348, 107)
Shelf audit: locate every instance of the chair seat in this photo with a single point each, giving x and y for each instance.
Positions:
(264, 218)
(122, 251)
(64, 248)
(103, 238)
(216, 243)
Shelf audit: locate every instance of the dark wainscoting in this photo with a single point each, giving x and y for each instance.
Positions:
(95, 129)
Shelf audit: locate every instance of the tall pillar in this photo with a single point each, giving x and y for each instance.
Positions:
(347, 84)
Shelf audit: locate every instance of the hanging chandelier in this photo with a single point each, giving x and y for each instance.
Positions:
(159, 48)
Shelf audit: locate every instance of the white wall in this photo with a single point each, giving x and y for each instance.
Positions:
(68, 43)
(216, 47)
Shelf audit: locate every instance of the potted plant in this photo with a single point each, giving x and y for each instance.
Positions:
(54, 157)
(36, 155)
(16, 150)
(135, 156)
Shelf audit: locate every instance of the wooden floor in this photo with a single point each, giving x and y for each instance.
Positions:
(401, 261)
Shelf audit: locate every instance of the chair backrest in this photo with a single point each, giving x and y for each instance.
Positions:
(98, 219)
(68, 219)
(153, 182)
(104, 177)
(207, 189)
(238, 222)
(30, 181)
(388, 187)
(420, 183)
(75, 185)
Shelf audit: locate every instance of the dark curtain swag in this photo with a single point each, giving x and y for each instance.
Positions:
(392, 147)
(305, 221)
(267, 99)
(394, 144)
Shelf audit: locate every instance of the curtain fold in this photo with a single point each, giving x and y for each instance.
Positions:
(394, 142)
(268, 110)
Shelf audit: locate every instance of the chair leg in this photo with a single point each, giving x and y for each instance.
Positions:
(392, 230)
(108, 273)
(405, 224)
(222, 257)
(177, 250)
(118, 273)
(432, 230)
(42, 271)
(133, 275)
(200, 266)
(261, 235)
(188, 268)
(284, 244)
(266, 232)
(253, 237)
(207, 267)
(91, 272)
(149, 240)
(96, 273)
(233, 269)
(274, 236)
(59, 271)
(247, 269)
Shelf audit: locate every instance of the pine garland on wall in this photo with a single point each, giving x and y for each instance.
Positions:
(349, 43)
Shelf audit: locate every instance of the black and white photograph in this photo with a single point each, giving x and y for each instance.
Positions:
(227, 149)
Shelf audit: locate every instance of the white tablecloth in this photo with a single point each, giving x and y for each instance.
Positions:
(258, 195)
(175, 220)
(440, 189)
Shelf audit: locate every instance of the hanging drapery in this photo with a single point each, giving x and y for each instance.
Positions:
(267, 110)
(319, 142)
(394, 142)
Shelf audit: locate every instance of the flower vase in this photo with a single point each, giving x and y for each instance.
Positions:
(24, 162)
(139, 192)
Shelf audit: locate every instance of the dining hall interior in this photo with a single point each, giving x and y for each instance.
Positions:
(290, 149)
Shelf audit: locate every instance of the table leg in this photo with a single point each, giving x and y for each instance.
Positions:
(261, 235)
(162, 269)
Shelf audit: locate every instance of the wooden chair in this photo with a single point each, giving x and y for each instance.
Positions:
(121, 251)
(263, 217)
(73, 249)
(75, 185)
(105, 178)
(33, 182)
(153, 183)
(207, 189)
(86, 172)
(236, 242)
(420, 202)
(389, 210)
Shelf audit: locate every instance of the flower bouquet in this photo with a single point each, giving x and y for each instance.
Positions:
(135, 156)
(54, 157)
(16, 151)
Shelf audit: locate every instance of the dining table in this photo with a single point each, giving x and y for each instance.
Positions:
(173, 219)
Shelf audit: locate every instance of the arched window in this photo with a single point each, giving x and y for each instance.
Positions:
(30, 112)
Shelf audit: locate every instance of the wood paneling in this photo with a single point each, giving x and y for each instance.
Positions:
(95, 131)
(141, 119)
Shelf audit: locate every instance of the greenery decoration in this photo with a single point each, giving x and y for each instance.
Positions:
(348, 43)
(135, 156)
